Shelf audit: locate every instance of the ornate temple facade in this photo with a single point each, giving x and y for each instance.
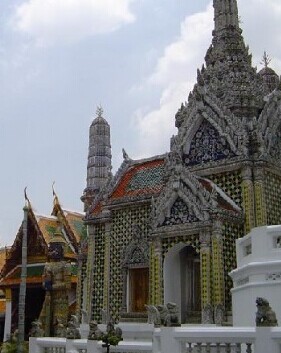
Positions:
(163, 229)
(41, 231)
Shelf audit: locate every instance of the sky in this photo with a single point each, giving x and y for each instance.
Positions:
(60, 59)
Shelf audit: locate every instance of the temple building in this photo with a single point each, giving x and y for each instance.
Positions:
(3, 254)
(163, 229)
(41, 230)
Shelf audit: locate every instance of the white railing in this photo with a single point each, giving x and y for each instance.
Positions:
(186, 339)
(206, 340)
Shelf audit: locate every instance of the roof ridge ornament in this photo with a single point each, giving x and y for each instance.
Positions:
(27, 201)
(99, 111)
(266, 60)
(56, 199)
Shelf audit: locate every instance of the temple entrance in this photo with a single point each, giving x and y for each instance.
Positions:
(182, 281)
(190, 282)
(138, 289)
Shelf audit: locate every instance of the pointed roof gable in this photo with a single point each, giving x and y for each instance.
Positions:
(36, 243)
(190, 199)
(71, 221)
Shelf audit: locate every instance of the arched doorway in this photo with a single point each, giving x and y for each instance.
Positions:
(182, 280)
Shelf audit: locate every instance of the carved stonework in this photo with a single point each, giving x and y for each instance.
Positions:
(137, 252)
(180, 214)
(219, 314)
(207, 315)
(205, 239)
(275, 151)
(207, 145)
(265, 316)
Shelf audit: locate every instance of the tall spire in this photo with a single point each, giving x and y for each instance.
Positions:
(228, 73)
(99, 157)
(226, 14)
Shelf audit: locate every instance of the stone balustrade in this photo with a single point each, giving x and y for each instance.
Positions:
(185, 339)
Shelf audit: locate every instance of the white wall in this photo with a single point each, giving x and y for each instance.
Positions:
(172, 275)
(258, 274)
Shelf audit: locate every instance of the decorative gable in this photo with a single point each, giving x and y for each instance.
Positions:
(137, 252)
(180, 213)
(207, 145)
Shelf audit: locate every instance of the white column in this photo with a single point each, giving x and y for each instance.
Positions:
(8, 319)
(264, 341)
(168, 343)
(34, 345)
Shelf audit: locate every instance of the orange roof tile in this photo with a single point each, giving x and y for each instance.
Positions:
(143, 178)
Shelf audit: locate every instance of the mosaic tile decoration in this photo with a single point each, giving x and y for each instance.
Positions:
(230, 234)
(273, 199)
(230, 183)
(247, 192)
(82, 278)
(141, 179)
(207, 145)
(206, 276)
(121, 235)
(192, 240)
(147, 178)
(156, 292)
(217, 272)
(260, 204)
(98, 273)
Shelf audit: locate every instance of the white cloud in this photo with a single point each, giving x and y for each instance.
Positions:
(58, 21)
(261, 23)
(175, 71)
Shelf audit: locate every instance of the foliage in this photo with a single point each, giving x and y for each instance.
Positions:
(11, 346)
(111, 339)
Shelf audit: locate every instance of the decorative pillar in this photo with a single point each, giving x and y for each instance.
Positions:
(82, 285)
(248, 198)
(22, 294)
(124, 293)
(156, 272)
(8, 314)
(260, 201)
(90, 268)
(106, 288)
(205, 269)
(218, 273)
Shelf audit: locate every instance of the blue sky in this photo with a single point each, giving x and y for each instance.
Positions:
(59, 59)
